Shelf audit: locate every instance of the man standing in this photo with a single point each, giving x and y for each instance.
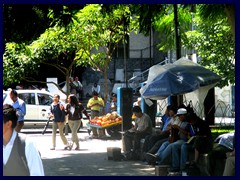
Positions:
(142, 128)
(16, 162)
(58, 112)
(20, 106)
(95, 104)
(73, 87)
(96, 88)
(79, 88)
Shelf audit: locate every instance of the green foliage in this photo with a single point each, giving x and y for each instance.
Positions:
(211, 39)
(214, 44)
(17, 63)
(88, 39)
(165, 25)
(101, 28)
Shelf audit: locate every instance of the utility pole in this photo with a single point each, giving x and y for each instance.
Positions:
(177, 100)
(177, 36)
(124, 51)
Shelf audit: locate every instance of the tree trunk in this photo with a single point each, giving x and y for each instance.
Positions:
(230, 11)
(67, 84)
(105, 74)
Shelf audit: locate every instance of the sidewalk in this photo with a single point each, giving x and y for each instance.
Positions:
(91, 160)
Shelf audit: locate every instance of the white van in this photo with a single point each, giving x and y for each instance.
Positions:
(37, 106)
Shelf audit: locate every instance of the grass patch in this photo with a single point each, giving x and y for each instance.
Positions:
(218, 131)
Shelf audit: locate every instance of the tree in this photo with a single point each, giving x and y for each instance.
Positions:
(213, 41)
(88, 40)
(215, 45)
(101, 29)
(215, 12)
(56, 47)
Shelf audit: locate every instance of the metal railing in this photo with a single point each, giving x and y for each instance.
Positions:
(135, 81)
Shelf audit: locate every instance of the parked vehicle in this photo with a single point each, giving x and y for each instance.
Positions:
(37, 106)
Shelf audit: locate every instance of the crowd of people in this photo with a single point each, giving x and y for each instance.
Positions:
(182, 132)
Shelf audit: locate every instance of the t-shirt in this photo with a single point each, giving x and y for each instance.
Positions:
(143, 123)
(94, 101)
(166, 120)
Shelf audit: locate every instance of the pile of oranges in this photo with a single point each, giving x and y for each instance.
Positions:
(107, 120)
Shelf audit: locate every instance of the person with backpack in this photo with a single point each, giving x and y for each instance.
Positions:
(58, 112)
(20, 156)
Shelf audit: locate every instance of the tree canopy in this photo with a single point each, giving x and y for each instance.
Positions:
(86, 35)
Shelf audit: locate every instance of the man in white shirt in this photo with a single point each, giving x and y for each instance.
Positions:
(20, 106)
(96, 88)
(79, 88)
(13, 163)
(142, 128)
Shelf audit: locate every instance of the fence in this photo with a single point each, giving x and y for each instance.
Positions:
(224, 114)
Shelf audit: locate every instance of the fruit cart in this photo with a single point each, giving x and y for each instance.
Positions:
(111, 122)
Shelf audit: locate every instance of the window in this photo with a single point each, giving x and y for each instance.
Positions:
(28, 98)
(44, 99)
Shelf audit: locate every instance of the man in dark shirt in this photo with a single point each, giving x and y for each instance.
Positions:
(199, 129)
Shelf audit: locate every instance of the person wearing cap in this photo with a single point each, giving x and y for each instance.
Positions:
(142, 128)
(153, 142)
(202, 143)
(165, 151)
(95, 104)
(20, 106)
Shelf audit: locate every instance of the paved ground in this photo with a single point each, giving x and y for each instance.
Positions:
(90, 160)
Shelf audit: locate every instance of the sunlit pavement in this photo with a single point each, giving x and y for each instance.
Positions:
(90, 160)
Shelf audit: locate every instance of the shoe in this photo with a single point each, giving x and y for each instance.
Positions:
(193, 164)
(94, 137)
(176, 170)
(68, 147)
(124, 157)
(103, 137)
(77, 148)
(53, 148)
(89, 131)
(151, 157)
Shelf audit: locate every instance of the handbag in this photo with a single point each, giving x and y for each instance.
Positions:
(173, 137)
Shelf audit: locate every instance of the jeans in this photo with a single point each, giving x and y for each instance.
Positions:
(176, 154)
(157, 145)
(168, 150)
(164, 152)
(185, 148)
(151, 140)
